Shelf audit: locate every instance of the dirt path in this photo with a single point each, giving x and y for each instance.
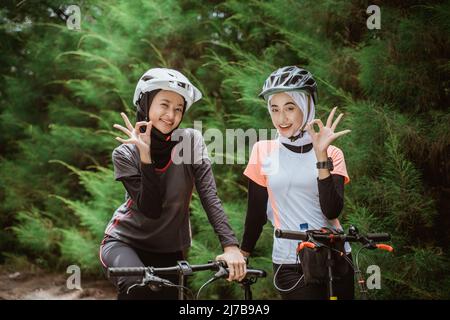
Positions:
(48, 286)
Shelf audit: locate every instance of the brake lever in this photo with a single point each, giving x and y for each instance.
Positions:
(221, 273)
(142, 284)
(155, 283)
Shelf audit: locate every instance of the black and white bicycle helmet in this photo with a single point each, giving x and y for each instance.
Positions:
(289, 78)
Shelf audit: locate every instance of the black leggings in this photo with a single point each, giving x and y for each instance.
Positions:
(115, 253)
(289, 274)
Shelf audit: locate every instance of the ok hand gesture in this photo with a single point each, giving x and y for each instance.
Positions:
(135, 136)
(326, 135)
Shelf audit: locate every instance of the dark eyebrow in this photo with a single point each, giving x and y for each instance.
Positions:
(289, 102)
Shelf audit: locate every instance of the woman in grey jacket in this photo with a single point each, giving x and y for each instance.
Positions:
(159, 165)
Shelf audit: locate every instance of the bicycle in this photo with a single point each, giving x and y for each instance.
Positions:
(150, 276)
(326, 238)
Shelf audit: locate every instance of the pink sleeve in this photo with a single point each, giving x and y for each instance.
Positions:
(253, 169)
(338, 162)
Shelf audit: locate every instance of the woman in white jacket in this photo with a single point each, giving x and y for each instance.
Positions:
(300, 175)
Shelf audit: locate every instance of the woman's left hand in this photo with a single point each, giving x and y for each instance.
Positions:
(235, 261)
(326, 135)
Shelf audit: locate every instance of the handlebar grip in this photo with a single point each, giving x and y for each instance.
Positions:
(305, 244)
(126, 271)
(256, 273)
(293, 235)
(379, 236)
(250, 273)
(384, 247)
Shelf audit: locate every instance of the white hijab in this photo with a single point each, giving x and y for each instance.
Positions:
(301, 100)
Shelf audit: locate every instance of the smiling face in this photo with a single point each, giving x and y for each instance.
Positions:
(166, 111)
(286, 115)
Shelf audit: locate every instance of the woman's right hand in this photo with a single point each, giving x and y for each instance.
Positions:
(141, 140)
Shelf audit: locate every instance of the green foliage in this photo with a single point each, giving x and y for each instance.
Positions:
(80, 249)
(103, 199)
(34, 231)
(412, 71)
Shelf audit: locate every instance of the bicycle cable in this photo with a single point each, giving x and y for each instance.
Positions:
(357, 255)
(204, 285)
(219, 274)
(285, 290)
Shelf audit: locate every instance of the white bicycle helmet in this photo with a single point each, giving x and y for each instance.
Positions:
(166, 79)
(290, 78)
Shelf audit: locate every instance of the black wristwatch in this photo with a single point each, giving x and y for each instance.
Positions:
(325, 164)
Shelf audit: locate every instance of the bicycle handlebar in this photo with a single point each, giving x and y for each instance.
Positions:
(140, 271)
(304, 236)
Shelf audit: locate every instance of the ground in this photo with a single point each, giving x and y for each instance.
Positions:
(41, 285)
